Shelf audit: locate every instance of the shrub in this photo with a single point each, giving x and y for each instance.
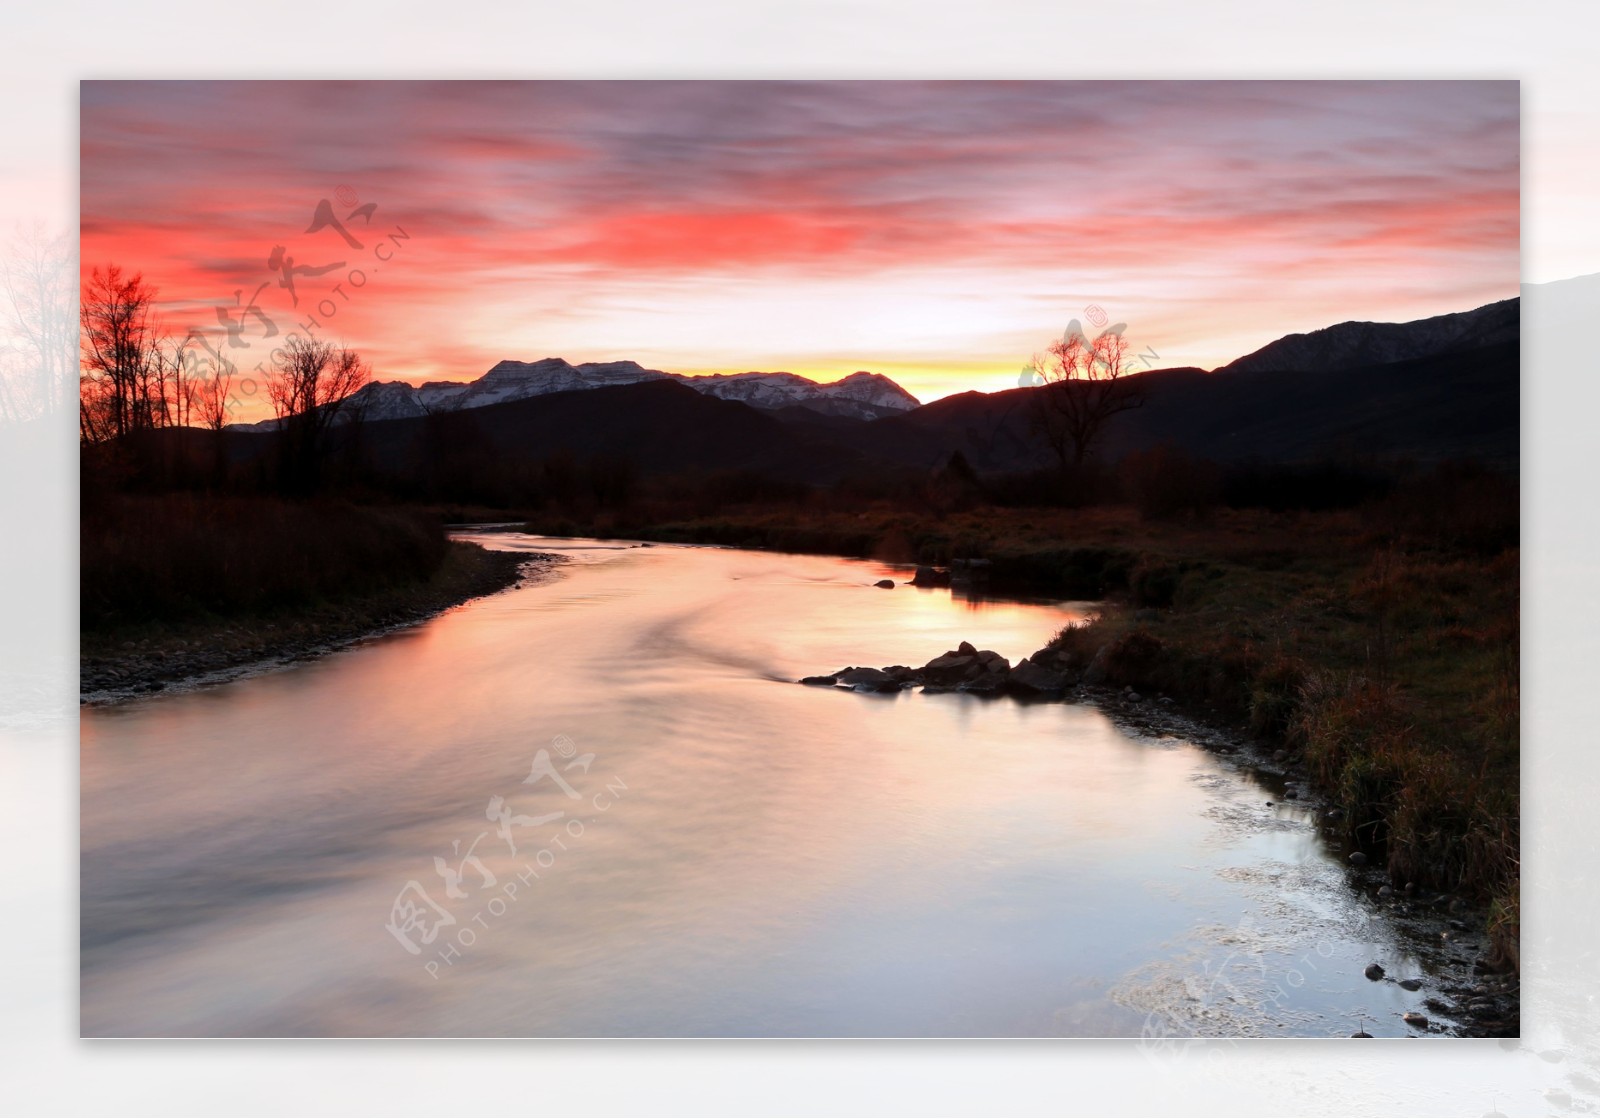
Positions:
(165, 558)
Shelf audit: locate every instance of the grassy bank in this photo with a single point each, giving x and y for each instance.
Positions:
(179, 587)
(1378, 646)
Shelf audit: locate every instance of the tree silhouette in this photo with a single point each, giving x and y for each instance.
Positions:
(1083, 384)
(310, 385)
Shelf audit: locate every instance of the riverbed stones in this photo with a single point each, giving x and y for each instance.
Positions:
(1029, 678)
(1414, 1020)
(1411, 984)
(1374, 972)
(1095, 674)
(930, 577)
(1358, 858)
(868, 679)
(952, 668)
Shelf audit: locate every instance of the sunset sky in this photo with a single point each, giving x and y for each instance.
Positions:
(938, 233)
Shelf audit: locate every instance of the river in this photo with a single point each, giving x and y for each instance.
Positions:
(598, 805)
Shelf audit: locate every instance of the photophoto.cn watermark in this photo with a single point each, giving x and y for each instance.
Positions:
(1031, 377)
(1244, 979)
(244, 323)
(440, 922)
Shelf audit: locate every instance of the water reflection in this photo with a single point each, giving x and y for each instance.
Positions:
(769, 859)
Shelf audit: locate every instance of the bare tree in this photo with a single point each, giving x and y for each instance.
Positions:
(310, 384)
(119, 354)
(1083, 384)
(212, 394)
(38, 274)
(311, 380)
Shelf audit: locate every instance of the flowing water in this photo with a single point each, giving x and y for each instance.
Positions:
(369, 843)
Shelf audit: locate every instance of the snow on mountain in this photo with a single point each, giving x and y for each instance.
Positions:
(862, 395)
(865, 396)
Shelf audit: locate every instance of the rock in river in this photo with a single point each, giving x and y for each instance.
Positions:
(1031, 678)
(930, 577)
(1374, 972)
(868, 679)
(886, 584)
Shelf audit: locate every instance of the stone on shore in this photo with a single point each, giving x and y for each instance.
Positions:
(1033, 679)
(930, 577)
(868, 678)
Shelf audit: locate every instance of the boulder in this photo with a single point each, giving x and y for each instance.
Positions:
(1096, 672)
(993, 662)
(886, 584)
(951, 668)
(985, 684)
(930, 577)
(1030, 678)
(874, 677)
(1374, 972)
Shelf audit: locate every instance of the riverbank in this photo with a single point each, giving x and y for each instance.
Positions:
(1453, 936)
(147, 657)
(1374, 650)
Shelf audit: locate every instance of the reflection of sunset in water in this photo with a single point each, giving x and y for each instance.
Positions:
(764, 858)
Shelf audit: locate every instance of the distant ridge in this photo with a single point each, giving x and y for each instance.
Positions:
(860, 396)
(1349, 345)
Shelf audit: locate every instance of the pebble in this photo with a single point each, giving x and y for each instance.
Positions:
(1374, 972)
(1358, 858)
(1414, 1020)
(1411, 984)
(1385, 892)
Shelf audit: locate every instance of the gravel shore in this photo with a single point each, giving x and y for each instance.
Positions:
(122, 665)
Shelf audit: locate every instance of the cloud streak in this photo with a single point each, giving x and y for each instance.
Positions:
(941, 229)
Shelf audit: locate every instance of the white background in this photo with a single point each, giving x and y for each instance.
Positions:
(44, 1069)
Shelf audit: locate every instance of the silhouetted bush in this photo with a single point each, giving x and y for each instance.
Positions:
(166, 558)
(1166, 482)
(1313, 487)
(1455, 505)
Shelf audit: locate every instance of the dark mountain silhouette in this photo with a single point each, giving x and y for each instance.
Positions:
(1351, 345)
(1453, 393)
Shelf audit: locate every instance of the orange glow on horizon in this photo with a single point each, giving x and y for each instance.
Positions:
(939, 234)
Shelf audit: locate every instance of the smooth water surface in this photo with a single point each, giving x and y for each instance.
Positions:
(740, 855)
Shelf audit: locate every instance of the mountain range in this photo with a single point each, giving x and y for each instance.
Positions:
(1432, 389)
(860, 396)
